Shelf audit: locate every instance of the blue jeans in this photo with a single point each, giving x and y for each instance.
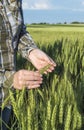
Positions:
(5, 115)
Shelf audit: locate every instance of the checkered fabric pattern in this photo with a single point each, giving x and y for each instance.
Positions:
(13, 34)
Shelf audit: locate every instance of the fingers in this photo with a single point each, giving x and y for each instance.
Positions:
(51, 62)
(51, 67)
(32, 76)
(30, 84)
(48, 61)
(47, 69)
(33, 86)
(28, 79)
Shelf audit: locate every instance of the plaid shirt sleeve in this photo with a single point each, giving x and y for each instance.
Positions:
(21, 37)
(26, 43)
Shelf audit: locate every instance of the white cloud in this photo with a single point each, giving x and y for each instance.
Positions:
(40, 6)
(35, 4)
(48, 4)
(83, 3)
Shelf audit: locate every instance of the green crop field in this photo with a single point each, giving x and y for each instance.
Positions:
(50, 33)
(59, 103)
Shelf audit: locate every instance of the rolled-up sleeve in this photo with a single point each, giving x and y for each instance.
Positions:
(26, 43)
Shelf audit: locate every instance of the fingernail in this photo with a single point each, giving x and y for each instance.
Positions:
(41, 78)
(40, 75)
(40, 82)
(38, 85)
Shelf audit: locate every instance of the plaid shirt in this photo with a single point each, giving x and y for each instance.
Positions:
(13, 34)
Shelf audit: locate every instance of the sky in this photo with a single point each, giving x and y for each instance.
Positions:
(53, 11)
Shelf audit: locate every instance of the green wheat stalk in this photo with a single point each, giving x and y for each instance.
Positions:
(41, 71)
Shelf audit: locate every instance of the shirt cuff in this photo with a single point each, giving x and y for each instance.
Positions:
(26, 45)
(8, 83)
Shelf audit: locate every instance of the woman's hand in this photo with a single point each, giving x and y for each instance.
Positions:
(39, 59)
(28, 79)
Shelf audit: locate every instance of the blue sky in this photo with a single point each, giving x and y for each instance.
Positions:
(53, 11)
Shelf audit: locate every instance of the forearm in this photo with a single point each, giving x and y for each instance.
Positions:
(26, 44)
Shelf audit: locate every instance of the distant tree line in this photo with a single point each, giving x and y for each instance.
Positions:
(44, 23)
(76, 22)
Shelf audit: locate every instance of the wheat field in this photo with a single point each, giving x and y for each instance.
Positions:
(59, 102)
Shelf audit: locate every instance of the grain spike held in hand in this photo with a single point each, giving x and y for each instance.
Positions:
(41, 71)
